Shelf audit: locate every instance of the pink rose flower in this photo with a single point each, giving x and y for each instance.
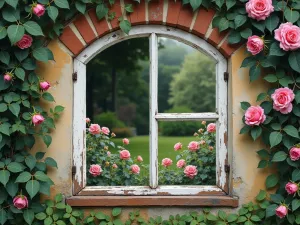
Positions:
(125, 141)
(291, 188)
(87, 120)
(38, 10)
(94, 129)
(259, 9)
(190, 171)
(255, 44)
(44, 85)
(108, 154)
(180, 163)
(105, 130)
(124, 154)
(7, 77)
(295, 153)
(177, 146)
(166, 162)
(115, 166)
(20, 201)
(193, 146)
(211, 128)
(139, 159)
(289, 36)
(95, 170)
(37, 119)
(281, 211)
(282, 100)
(25, 42)
(135, 169)
(254, 116)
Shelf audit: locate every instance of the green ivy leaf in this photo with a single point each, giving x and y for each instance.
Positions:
(47, 96)
(4, 177)
(64, 4)
(271, 78)
(296, 175)
(275, 50)
(15, 167)
(3, 107)
(12, 3)
(81, 7)
(4, 57)
(40, 54)
(294, 60)
(291, 131)
(279, 156)
(240, 20)
(3, 32)
(15, 33)
(32, 187)
(47, 140)
(40, 216)
(14, 108)
(272, 22)
(116, 211)
(3, 216)
(256, 132)
(23, 177)
(33, 28)
(246, 33)
(271, 181)
(101, 11)
(230, 4)
(195, 4)
(20, 73)
(275, 138)
(245, 105)
(30, 161)
(125, 26)
(39, 175)
(52, 12)
(223, 24)
(254, 72)
(291, 15)
(51, 162)
(295, 204)
(28, 216)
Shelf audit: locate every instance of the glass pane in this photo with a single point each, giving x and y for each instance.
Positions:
(187, 153)
(186, 79)
(117, 99)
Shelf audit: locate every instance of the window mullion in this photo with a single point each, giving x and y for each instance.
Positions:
(153, 111)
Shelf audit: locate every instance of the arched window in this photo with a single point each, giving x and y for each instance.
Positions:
(213, 194)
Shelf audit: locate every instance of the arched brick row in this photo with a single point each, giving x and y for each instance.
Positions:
(168, 12)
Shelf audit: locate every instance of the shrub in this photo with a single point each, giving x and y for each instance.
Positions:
(109, 119)
(123, 132)
(178, 128)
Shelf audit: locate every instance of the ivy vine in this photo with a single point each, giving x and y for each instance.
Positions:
(271, 30)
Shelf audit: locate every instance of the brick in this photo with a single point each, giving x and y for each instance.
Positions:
(215, 37)
(155, 11)
(100, 25)
(185, 18)
(84, 29)
(203, 21)
(116, 8)
(70, 40)
(139, 12)
(226, 49)
(174, 8)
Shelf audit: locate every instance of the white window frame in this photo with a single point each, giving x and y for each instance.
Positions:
(220, 116)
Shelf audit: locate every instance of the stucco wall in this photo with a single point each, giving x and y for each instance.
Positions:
(247, 179)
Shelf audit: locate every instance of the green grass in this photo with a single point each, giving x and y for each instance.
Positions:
(139, 145)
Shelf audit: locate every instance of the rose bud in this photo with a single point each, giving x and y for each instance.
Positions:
(38, 10)
(44, 85)
(113, 134)
(7, 77)
(166, 162)
(20, 202)
(115, 166)
(177, 146)
(87, 120)
(139, 159)
(135, 169)
(281, 211)
(125, 141)
(37, 119)
(295, 153)
(291, 188)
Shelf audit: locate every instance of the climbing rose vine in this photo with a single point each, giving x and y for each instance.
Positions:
(271, 31)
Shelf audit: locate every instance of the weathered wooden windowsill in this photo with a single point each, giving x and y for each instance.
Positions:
(217, 201)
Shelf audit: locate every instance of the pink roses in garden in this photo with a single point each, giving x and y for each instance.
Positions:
(254, 116)
(37, 119)
(281, 211)
(7, 77)
(180, 163)
(135, 169)
(282, 100)
(177, 146)
(190, 171)
(20, 202)
(125, 141)
(289, 36)
(38, 10)
(255, 44)
(211, 128)
(259, 9)
(193, 146)
(166, 162)
(95, 170)
(94, 129)
(291, 188)
(124, 154)
(44, 85)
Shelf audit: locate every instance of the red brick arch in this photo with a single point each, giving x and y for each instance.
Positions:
(85, 29)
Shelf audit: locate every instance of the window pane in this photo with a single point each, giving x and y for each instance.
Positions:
(186, 79)
(187, 153)
(117, 96)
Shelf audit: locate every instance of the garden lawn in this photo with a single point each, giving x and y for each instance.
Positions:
(139, 145)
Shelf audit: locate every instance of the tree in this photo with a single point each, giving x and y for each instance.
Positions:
(195, 85)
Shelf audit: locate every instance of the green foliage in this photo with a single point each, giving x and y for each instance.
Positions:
(109, 119)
